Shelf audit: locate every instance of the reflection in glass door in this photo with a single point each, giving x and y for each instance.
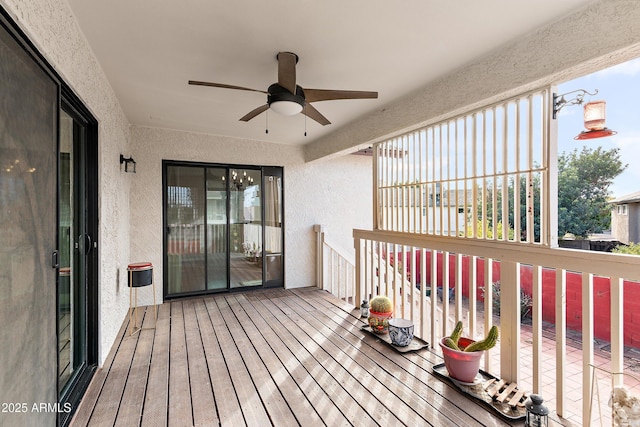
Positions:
(216, 228)
(273, 222)
(245, 253)
(185, 217)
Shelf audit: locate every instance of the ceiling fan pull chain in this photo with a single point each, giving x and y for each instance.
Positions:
(305, 119)
(266, 127)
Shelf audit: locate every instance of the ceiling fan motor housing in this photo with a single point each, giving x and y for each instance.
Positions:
(277, 94)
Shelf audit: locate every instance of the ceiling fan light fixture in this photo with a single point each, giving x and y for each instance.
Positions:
(286, 108)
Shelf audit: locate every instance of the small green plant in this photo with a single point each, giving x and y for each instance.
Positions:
(381, 304)
(453, 341)
(526, 301)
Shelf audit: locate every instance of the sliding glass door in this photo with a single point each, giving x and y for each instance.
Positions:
(215, 227)
(48, 224)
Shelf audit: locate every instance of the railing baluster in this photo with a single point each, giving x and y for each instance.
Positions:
(473, 280)
(434, 295)
(561, 338)
(617, 329)
(536, 330)
(414, 275)
(587, 344)
(458, 292)
(445, 293)
(488, 304)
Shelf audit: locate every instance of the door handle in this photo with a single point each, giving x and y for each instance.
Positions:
(88, 241)
(55, 262)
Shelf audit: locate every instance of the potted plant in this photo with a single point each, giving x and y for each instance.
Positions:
(462, 355)
(380, 311)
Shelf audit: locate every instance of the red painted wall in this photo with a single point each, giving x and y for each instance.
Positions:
(601, 295)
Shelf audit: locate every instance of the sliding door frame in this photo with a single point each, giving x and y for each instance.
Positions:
(66, 95)
(228, 289)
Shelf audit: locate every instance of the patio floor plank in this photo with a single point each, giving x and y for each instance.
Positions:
(180, 412)
(226, 400)
(130, 410)
(270, 357)
(157, 392)
(296, 369)
(300, 406)
(203, 403)
(252, 406)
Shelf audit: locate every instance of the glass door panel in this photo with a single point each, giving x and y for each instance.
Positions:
(28, 179)
(216, 228)
(186, 230)
(273, 217)
(75, 244)
(245, 253)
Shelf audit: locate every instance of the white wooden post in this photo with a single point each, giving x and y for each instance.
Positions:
(319, 229)
(510, 321)
(357, 243)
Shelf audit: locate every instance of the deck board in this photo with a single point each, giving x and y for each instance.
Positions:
(270, 357)
(157, 392)
(252, 407)
(130, 410)
(180, 412)
(226, 401)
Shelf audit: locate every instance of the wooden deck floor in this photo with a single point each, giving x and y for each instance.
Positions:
(277, 357)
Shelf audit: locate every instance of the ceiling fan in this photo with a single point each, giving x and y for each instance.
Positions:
(287, 98)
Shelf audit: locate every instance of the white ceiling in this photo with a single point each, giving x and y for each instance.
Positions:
(149, 49)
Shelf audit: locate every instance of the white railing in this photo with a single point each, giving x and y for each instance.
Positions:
(465, 265)
(335, 270)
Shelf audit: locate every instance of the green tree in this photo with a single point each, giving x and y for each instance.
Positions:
(584, 178)
(486, 209)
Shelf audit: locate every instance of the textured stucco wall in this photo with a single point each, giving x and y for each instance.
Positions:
(602, 34)
(334, 192)
(51, 27)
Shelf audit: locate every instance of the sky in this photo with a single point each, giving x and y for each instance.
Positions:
(619, 86)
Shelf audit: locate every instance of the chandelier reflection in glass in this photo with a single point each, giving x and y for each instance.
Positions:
(239, 183)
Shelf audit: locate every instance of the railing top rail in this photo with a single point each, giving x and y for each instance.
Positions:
(597, 263)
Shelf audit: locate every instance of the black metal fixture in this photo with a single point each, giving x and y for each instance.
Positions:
(128, 161)
(594, 113)
(537, 414)
(364, 309)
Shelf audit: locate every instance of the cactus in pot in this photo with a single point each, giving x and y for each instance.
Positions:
(380, 311)
(453, 340)
(462, 355)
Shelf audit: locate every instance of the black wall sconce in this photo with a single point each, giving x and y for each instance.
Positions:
(127, 163)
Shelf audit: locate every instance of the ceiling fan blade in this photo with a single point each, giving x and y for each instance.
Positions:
(250, 115)
(287, 70)
(197, 83)
(313, 95)
(309, 111)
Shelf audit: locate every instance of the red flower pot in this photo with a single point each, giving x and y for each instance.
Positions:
(461, 365)
(379, 322)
